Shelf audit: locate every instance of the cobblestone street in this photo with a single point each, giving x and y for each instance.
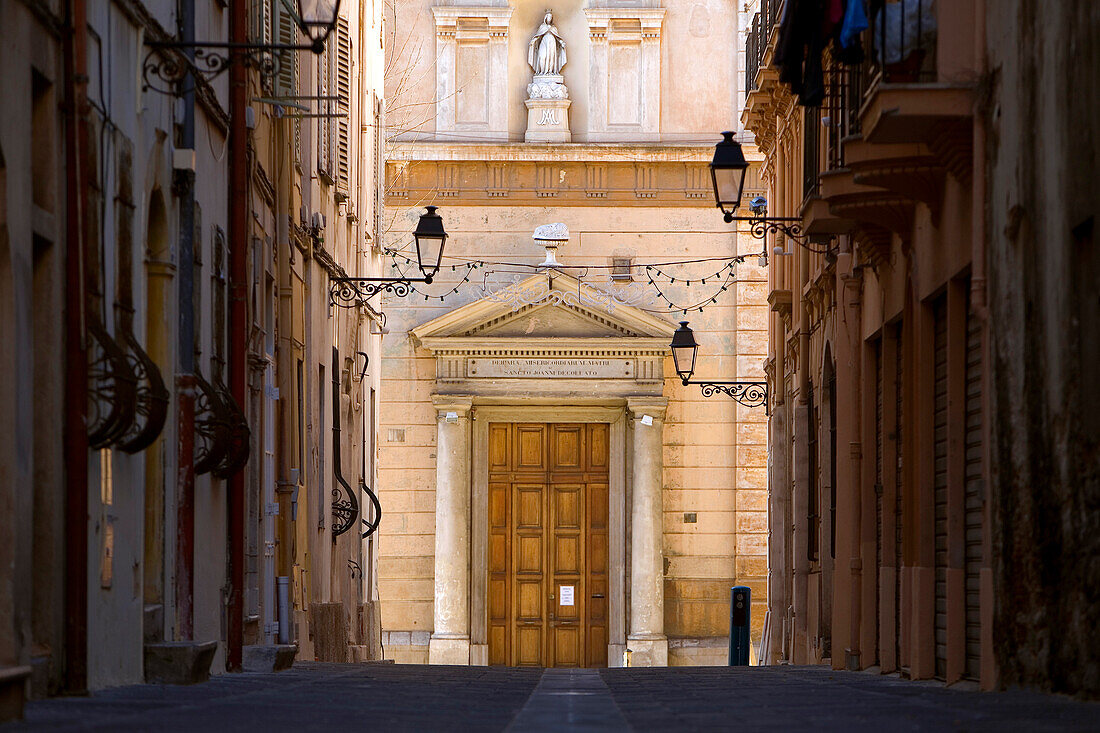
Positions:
(325, 697)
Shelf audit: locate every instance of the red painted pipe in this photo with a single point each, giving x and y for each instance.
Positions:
(238, 323)
(76, 357)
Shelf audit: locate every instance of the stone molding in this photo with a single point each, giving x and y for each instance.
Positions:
(627, 183)
(609, 31)
(471, 26)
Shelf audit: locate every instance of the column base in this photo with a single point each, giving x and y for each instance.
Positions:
(647, 651)
(449, 650)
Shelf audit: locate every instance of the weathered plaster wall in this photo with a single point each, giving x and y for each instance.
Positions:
(1044, 275)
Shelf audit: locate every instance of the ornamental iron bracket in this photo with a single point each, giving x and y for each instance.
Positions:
(212, 427)
(761, 225)
(352, 292)
(167, 63)
(372, 527)
(112, 388)
(151, 406)
(748, 394)
(345, 505)
(238, 435)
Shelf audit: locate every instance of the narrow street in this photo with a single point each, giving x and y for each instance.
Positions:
(323, 697)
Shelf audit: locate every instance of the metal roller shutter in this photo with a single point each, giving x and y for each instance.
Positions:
(898, 474)
(939, 338)
(974, 495)
(879, 440)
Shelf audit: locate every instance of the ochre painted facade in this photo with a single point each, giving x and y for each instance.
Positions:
(688, 474)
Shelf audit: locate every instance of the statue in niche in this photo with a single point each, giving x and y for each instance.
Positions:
(546, 52)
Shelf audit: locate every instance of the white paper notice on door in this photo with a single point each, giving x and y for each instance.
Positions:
(565, 593)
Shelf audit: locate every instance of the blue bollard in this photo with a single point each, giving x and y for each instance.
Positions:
(740, 616)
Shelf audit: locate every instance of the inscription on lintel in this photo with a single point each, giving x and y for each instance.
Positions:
(551, 368)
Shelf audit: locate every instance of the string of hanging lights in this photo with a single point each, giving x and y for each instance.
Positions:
(724, 277)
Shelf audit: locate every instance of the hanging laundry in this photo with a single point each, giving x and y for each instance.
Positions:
(799, 47)
(855, 22)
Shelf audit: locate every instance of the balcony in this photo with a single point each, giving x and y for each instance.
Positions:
(893, 127)
(918, 51)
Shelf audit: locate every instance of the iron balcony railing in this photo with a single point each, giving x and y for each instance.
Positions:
(902, 41)
(756, 43)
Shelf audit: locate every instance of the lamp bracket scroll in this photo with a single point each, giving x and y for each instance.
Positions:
(748, 394)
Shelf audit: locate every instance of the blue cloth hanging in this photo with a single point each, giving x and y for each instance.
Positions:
(855, 22)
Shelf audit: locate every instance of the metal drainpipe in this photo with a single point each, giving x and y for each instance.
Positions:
(76, 362)
(185, 382)
(238, 322)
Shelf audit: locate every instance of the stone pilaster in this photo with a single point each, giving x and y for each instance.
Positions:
(450, 641)
(646, 641)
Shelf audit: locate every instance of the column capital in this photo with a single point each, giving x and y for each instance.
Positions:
(653, 406)
(445, 403)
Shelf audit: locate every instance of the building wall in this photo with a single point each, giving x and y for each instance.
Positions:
(642, 195)
(1042, 282)
(881, 545)
(132, 298)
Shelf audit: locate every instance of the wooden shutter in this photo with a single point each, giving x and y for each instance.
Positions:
(324, 147)
(939, 451)
(379, 166)
(974, 492)
(286, 81)
(342, 123)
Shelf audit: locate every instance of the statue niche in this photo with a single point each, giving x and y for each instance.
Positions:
(547, 96)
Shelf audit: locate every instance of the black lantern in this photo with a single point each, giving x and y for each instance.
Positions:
(727, 170)
(684, 350)
(352, 292)
(430, 237)
(317, 19)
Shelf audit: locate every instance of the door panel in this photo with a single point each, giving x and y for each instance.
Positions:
(530, 448)
(597, 573)
(548, 530)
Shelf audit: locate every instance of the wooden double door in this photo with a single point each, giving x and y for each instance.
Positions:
(548, 544)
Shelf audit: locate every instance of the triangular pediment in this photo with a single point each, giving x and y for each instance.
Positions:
(545, 308)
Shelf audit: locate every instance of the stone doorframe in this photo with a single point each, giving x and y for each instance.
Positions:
(462, 523)
(479, 557)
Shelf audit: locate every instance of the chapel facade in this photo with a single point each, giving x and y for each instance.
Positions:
(552, 494)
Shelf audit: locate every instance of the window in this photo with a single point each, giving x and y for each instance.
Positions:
(622, 268)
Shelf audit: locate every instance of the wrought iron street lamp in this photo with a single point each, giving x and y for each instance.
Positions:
(430, 237)
(728, 169)
(316, 19)
(684, 351)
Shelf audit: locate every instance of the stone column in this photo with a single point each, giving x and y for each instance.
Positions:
(450, 642)
(647, 642)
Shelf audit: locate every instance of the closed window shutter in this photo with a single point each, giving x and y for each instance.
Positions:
(265, 21)
(286, 80)
(342, 108)
(325, 107)
(379, 165)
